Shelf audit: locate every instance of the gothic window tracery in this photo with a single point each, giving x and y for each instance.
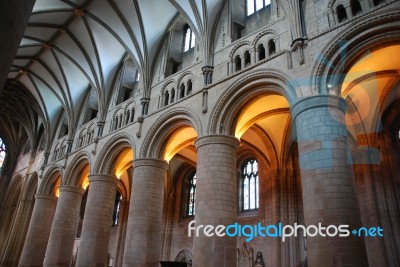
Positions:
(249, 185)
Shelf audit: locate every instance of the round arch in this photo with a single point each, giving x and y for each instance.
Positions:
(106, 160)
(72, 174)
(49, 180)
(164, 126)
(267, 81)
(378, 31)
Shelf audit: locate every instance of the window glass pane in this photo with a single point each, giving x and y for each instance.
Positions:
(246, 194)
(193, 41)
(257, 192)
(250, 7)
(252, 192)
(192, 196)
(187, 40)
(249, 185)
(267, 2)
(259, 4)
(2, 153)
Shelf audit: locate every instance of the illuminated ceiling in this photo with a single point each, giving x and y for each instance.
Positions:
(370, 86)
(267, 115)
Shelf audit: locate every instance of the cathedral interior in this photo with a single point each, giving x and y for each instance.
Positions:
(121, 122)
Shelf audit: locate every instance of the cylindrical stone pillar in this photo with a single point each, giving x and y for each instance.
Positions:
(143, 237)
(39, 231)
(216, 199)
(367, 169)
(93, 246)
(327, 179)
(64, 226)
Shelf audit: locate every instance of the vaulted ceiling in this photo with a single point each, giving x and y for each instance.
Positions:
(72, 46)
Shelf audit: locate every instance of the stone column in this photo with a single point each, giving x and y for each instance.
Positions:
(143, 238)
(216, 199)
(93, 246)
(39, 231)
(242, 62)
(64, 227)
(367, 160)
(327, 179)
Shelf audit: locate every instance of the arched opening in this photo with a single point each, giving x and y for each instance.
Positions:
(182, 91)
(264, 126)
(238, 63)
(189, 85)
(261, 52)
(172, 95)
(341, 13)
(371, 88)
(180, 186)
(355, 7)
(247, 60)
(122, 169)
(271, 47)
(166, 98)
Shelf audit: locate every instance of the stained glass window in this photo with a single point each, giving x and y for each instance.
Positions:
(191, 195)
(190, 39)
(249, 184)
(2, 153)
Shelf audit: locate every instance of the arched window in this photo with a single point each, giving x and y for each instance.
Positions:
(2, 153)
(255, 5)
(247, 60)
(238, 63)
(166, 98)
(172, 95)
(189, 89)
(182, 91)
(117, 208)
(271, 47)
(191, 195)
(355, 7)
(341, 13)
(261, 52)
(189, 39)
(249, 185)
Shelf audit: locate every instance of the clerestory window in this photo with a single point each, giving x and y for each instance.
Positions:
(253, 6)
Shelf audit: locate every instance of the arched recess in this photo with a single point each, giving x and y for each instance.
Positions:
(257, 111)
(78, 171)
(336, 58)
(172, 139)
(154, 145)
(51, 181)
(116, 159)
(268, 81)
(371, 87)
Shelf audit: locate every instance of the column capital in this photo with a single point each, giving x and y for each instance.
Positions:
(45, 196)
(72, 189)
(152, 162)
(318, 101)
(217, 139)
(103, 178)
